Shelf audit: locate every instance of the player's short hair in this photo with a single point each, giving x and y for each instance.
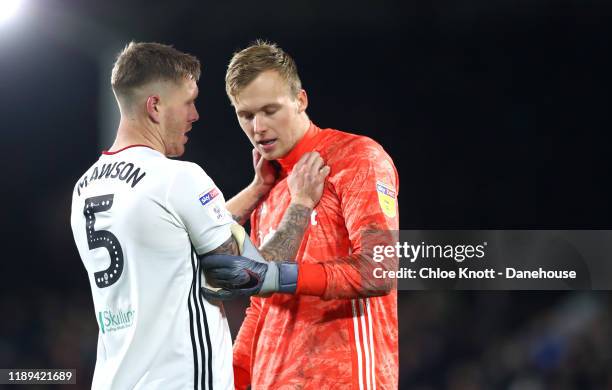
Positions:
(260, 56)
(141, 63)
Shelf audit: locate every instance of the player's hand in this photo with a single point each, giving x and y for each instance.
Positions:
(266, 172)
(232, 276)
(307, 180)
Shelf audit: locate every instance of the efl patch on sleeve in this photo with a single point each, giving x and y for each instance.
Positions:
(386, 199)
(217, 213)
(207, 197)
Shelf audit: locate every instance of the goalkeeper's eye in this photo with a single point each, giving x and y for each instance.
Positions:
(245, 115)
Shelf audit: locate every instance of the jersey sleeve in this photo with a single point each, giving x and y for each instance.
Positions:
(367, 186)
(200, 207)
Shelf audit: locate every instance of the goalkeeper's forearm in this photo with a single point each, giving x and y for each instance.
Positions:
(279, 276)
(242, 204)
(285, 242)
(250, 274)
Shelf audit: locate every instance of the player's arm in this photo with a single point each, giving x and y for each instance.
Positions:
(242, 205)
(229, 247)
(236, 267)
(363, 210)
(251, 273)
(285, 242)
(367, 187)
(305, 183)
(199, 207)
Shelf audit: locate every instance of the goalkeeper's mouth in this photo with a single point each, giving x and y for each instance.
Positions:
(267, 144)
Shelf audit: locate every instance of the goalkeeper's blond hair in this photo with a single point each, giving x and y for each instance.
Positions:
(260, 56)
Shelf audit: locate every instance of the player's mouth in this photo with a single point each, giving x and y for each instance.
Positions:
(267, 145)
(185, 138)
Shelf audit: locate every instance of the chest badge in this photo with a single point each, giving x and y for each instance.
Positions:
(313, 218)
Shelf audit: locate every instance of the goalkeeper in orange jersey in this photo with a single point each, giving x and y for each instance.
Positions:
(335, 327)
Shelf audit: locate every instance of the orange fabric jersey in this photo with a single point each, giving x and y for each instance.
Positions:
(346, 338)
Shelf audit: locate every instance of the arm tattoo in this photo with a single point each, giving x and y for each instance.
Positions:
(285, 243)
(229, 247)
(245, 214)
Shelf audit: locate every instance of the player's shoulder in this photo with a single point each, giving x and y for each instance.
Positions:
(191, 179)
(187, 169)
(344, 148)
(180, 166)
(145, 168)
(83, 179)
(169, 169)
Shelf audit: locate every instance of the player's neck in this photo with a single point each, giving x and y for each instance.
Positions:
(133, 132)
(303, 126)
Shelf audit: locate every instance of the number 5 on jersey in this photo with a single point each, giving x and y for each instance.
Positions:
(103, 239)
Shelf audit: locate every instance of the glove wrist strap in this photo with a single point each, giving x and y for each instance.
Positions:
(287, 277)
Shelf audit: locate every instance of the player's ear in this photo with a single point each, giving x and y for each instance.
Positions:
(153, 108)
(302, 100)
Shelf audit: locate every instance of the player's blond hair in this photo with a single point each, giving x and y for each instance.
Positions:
(141, 63)
(260, 56)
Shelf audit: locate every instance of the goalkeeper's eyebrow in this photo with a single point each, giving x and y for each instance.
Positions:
(266, 108)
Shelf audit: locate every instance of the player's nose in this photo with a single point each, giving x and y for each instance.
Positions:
(195, 116)
(258, 124)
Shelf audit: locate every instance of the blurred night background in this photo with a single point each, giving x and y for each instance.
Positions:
(494, 112)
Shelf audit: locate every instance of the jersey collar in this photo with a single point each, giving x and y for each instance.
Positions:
(107, 153)
(304, 145)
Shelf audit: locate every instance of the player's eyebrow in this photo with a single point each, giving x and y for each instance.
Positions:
(271, 105)
(262, 108)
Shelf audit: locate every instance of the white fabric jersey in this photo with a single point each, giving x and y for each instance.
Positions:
(138, 220)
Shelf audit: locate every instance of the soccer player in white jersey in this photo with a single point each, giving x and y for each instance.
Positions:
(141, 221)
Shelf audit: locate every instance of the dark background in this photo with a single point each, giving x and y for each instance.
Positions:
(494, 111)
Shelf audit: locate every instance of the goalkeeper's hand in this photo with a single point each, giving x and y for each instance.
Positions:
(241, 276)
(247, 274)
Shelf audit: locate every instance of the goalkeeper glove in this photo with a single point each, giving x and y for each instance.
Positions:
(248, 274)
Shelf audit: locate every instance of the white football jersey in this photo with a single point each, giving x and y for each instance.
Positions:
(139, 220)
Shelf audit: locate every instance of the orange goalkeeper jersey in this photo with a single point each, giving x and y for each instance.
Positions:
(345, 338)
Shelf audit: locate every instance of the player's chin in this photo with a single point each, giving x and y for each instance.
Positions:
(270, 155)
(177, 151)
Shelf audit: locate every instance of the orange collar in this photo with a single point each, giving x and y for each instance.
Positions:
(304, 145)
